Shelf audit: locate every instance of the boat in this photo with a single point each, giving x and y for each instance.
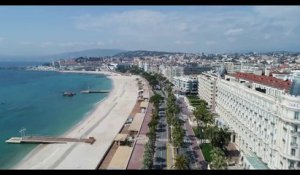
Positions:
(68, 94)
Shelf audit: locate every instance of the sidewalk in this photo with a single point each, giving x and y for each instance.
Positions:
(136, 159)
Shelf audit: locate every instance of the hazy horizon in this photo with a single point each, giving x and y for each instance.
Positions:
(49, 30)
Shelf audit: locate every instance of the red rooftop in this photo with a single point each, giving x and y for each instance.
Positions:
(265, 80)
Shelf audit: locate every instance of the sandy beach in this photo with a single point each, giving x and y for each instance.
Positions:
(103, 123)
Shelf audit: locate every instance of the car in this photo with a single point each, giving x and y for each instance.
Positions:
(187, 141)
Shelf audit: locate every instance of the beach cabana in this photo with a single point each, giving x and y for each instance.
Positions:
(120, 158)
(120, 138)
(144, 105)
(136, 124)
(146, 95)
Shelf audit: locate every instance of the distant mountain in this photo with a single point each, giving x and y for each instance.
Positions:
(141, 53)
(84, 53)
(66, 55)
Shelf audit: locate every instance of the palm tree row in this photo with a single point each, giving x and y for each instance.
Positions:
(219, 137)
(177, 132)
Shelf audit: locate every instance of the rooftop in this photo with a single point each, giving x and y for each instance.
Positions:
(121, 158)
(136, 123)
(121, 137)
(265, 80)
(144, 104)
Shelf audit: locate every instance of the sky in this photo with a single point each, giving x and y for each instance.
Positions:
(44, 30)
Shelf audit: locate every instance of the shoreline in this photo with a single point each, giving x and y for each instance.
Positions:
(54, 156)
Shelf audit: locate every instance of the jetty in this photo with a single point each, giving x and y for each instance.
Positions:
(94, 91)
(48, 140)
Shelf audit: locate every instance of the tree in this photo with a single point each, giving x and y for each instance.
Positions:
(223, 137)
(202, 114)
(178, 135)
(156, 99)
(218, 137)
(219, 161)
(148, 156)
(211, 132)
(181, 162)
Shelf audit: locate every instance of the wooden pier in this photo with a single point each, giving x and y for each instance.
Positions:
(47, 140)
(94, 91)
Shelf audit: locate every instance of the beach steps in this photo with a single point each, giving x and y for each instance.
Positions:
(47, 140)
(94, 91)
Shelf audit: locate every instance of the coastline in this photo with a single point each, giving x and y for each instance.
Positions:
(109, 113)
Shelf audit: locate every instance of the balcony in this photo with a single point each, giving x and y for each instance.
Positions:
(294, 145)
(295, 133)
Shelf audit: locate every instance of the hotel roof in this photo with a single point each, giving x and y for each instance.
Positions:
(265, 80)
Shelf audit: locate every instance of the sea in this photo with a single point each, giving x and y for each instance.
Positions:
(33, 100)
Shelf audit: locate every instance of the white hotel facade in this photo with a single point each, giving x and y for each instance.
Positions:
(264, 117)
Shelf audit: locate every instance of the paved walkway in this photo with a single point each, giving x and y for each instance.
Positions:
(196, 151)
(136, 159)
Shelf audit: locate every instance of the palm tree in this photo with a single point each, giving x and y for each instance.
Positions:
(177, 136)
(218, 137)
(197, 114)
(202, 114)
(211, 133)
(181, 162)
(219, 161)
(223, 137)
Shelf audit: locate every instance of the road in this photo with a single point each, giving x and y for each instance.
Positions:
(160, 155)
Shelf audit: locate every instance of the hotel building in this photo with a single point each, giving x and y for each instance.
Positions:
(207, 88)
(264, 114)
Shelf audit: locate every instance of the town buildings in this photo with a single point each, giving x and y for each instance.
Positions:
(186, 85)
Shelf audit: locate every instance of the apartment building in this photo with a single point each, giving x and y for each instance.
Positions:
(264, 115)
(171, 71)
(207, 88)
(186, 85)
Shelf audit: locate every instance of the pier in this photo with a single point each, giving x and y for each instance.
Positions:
(94, 91)
(48, 140)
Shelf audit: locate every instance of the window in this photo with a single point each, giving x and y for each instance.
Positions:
(296, 116)
(293, 152)
(292, 164)
(294, 140)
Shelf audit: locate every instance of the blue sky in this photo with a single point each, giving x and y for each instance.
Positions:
(42, 30)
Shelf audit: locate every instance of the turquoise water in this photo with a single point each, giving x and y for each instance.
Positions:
(34, 100)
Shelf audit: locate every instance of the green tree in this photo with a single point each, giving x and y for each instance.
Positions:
(223, 138)
(219, 161)
(181, 162)
(148, 156)
(178, 135)
(218, 137)
(156, 99)
(201, 113)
